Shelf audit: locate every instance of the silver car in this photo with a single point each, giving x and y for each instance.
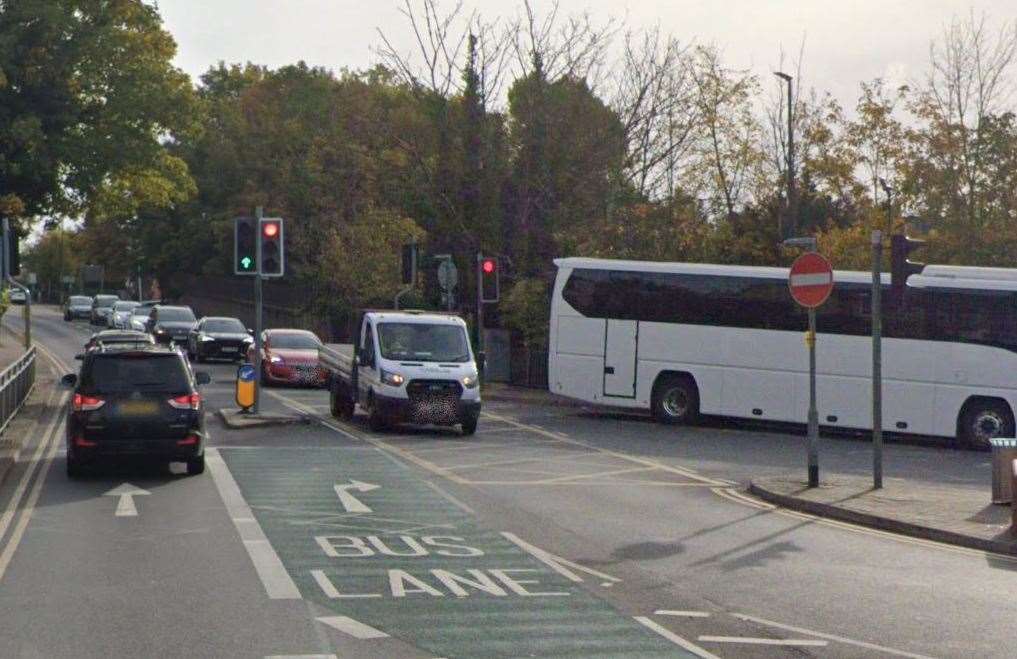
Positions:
(120, 315)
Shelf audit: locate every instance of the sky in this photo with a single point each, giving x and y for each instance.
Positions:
(845, 42)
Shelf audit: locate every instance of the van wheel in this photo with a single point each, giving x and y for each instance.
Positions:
(982, 420)
(375, 420)
(469, 424)
(675, 400)
(340, 403)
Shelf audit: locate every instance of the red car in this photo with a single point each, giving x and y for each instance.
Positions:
(289, 356)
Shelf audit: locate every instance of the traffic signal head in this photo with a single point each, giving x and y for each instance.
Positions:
(272, 253)
(489, 274)
(244, 246)
(901, 267)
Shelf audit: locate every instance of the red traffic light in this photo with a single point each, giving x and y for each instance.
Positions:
(270, 229)
(488, 266)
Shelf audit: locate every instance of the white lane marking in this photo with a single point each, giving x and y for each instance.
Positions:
(682, 614)
(681, 471)
(675, 638)
(125, 505)
(352, 627)
(33, 498)
(267, 564)
(750, 640)
(557, 563)
(831, 637)
(350, 502)
(812, 279)
(456, 502)
(19, 491)
(332, 592)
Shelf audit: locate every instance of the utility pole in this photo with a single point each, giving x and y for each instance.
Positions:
(877, 361)
(790, 157)
(258, 213)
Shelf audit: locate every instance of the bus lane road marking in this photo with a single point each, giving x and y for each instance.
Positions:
(427, 587)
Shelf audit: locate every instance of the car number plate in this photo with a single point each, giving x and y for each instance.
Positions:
(180, 337)
(138, 408)
(225, 349)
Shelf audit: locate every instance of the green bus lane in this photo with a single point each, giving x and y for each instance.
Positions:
(371, 541)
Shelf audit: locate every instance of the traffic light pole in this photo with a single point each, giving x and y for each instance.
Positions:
(480, 303)
(259, 212)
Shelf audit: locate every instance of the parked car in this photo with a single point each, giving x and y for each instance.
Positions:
(140, 401)
(102, 305)
(289, 356)
(78, 306)
(217, 337)
(119, 316)
(170, 324)
(118, 337)
(17, 296)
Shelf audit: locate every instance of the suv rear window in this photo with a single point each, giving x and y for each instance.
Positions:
(127, 372)
(105, 300)
(79, 299)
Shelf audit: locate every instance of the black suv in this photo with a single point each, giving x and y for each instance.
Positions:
(136, 401)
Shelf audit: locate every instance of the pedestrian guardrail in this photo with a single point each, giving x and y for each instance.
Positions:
(16, 382)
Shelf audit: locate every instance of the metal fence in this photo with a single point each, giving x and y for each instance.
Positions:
(16, 382)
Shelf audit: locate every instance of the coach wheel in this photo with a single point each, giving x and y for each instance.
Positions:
(984, 419)
(675, 400)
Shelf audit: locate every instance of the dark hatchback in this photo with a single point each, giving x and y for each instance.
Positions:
(137, 401)
(215, 337)
(170, 324)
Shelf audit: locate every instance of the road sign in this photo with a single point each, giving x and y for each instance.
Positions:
(245, 386)
(448, 275)
(811, 280)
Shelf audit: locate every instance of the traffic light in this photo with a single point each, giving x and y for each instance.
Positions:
(901, 267)
(409, 263)
(272, 247)
(14, 255)
(489, 273)
(244, 248)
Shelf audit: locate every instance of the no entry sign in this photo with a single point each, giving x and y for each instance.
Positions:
(811, 280)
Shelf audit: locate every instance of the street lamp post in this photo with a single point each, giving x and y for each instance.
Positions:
(790, 156)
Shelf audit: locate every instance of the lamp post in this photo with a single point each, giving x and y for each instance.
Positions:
(790, 156)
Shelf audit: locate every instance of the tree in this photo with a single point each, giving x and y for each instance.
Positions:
(87, 94)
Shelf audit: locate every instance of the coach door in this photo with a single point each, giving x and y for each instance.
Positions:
(621, 341)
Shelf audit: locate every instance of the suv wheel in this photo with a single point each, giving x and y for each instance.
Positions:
(196, 466)
(74, 469)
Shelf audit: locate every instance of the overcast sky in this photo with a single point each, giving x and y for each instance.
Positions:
(846, 41)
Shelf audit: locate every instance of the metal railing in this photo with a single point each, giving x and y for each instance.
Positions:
(16, 382)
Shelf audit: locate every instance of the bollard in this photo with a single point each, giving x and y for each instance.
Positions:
(1004, 452)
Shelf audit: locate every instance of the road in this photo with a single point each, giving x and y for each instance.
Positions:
(552, 532)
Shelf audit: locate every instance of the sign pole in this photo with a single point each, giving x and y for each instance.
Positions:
(810, 339)
(877, 361)
(259, 212)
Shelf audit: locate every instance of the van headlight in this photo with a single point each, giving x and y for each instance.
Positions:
(392, 379)
(469, 381)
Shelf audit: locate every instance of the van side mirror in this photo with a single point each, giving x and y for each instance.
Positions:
(201, 377)
(481, 361)
(364, 358)
(80, 356)
(69, 380)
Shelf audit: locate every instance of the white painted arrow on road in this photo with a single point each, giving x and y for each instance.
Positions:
(126, 492)
(350, 502)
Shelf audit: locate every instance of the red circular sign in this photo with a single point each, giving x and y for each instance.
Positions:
(811, 280)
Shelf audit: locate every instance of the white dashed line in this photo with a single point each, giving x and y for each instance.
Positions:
(683, 614)
(352, 627)
(750, 640)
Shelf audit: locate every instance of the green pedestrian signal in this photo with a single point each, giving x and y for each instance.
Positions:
(244, 246)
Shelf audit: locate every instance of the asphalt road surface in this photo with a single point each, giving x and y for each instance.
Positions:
(552, 532)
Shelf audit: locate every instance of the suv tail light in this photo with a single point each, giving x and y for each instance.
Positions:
(186, 402)
(84, 403)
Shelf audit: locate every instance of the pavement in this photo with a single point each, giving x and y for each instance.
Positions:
(12, 349)
(556, 530)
